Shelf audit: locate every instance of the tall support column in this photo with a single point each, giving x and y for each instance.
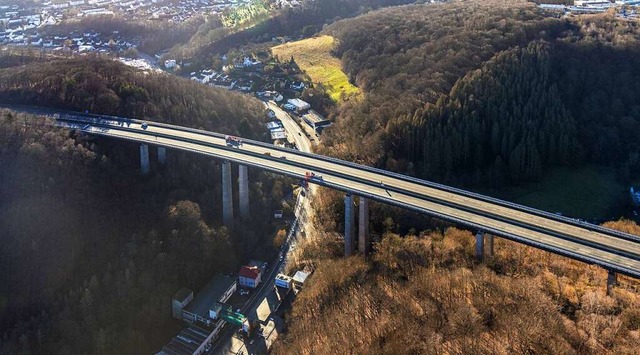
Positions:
(144, 159)
(243, 191)
(162, 155)
(490, 245)
(479, 245)
(227, 194)
(349, 226)
(363, 226)
(612, 281)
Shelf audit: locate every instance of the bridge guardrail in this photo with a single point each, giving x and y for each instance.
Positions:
(571, 221)
(506, 235)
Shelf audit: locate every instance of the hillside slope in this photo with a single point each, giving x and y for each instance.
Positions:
(313, 56)
(101, 85)
(417, 65)
(425, 294)
(91, 252)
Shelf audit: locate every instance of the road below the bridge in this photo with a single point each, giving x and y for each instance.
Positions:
(224, 344)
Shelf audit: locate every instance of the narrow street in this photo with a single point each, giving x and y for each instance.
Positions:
(227, 343)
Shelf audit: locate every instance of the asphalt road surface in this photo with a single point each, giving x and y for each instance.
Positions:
(612, 250)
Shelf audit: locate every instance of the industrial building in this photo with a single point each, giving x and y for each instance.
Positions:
(298, 105)
(283, 281)
(198, 335)
(192, 340)
(278, 133)
(299, 278)
(276, 130)
(593, 3)
(315, 120)
(180, 300)
(219, 289)
(274, 124)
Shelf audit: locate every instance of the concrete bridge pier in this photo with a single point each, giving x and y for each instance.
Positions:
(490, 245)
(363, 226)
(349, 225)
(612, 281)
(162, 155)
(243, 191)
(144, 159)
(227, 194)
(480, 246)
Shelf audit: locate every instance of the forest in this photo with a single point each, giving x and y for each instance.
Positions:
(487, 93)
(422, 292)
(101, 85)
(91, 252)
(471, 93)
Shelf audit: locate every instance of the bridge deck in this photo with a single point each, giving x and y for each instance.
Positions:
(613, 250)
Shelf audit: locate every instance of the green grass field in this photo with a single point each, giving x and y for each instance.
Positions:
(588, 193)
(313, 56)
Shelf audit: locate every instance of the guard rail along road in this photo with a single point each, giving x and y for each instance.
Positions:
(613, 250)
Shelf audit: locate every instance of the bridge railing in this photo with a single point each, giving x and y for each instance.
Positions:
(466, 193)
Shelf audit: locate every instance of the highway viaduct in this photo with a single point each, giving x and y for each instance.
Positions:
(615, 251)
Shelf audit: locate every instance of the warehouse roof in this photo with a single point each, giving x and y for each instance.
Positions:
(210, 294)
(182, 294)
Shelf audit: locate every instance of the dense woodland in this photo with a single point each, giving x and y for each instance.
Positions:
(487, 92)
(423, 293)
(471, 93)
(91, 252)
(100, 85)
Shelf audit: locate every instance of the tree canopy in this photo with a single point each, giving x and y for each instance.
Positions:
(487, 92)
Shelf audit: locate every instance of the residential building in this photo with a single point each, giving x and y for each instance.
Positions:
(170, 64)
(249, 276)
